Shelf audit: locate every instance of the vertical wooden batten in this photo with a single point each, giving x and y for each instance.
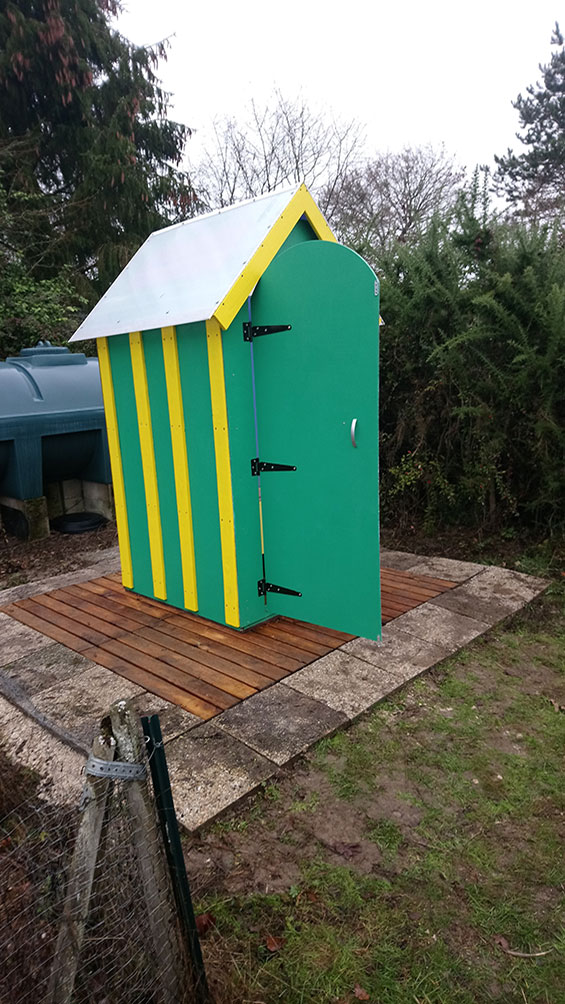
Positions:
(180, 462)
(148, 463)
(223, 470)
(115, 462)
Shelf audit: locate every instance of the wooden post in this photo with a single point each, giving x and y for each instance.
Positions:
(167, 945)
(79, 889)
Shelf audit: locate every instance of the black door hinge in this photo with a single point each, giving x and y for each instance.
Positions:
(251, 331)
(258, 466)
(267, 587)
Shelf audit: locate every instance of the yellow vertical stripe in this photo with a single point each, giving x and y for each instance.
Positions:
(148, 464)
(115, 461)
(223, 469)
(180, 464)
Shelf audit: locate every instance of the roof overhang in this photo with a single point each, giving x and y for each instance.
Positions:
(202, 269)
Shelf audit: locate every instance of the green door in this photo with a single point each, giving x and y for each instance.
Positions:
(316, 390)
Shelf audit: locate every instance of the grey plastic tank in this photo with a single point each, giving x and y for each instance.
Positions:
(52, 425)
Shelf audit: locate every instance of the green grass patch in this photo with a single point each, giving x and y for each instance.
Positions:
(458, 781)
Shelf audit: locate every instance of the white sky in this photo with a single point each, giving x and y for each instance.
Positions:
(440, 71)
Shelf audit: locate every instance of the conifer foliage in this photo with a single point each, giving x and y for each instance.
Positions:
(89, 161)
(534, 180)
(473, 372)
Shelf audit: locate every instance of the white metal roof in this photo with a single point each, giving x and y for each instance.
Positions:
(182, 273)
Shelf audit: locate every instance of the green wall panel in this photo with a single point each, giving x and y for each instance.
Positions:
(157, 387)
(301, 231)
(122, 378)
(195, 381)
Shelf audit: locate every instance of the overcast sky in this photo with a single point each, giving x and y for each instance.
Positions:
(412, 72)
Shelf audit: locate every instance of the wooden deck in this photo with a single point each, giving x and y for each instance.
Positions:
(197, 664)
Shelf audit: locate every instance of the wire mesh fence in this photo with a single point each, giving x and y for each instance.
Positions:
(36, 842)
(88, 912)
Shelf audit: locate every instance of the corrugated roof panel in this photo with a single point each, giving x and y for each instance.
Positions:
(182, 273)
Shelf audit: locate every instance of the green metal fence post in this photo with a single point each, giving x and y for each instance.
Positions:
(174, 852)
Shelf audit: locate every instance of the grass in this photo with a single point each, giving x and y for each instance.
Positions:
(422, 842)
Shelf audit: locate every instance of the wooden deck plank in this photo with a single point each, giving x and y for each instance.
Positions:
(141, 602)
(213, 655)
(186, 663)
(184, 680)
(403, 589)
(218, 632)
(76, 615)
(312, 633)
(250, 641)
(110, 614)
(401, 596)
(154, 684)
(202, 666)
(112, 602)
(45, 627)
(238, 648)
(400, 604)
(339, 637)
(391, 574)
(72, 627)
(277, 631)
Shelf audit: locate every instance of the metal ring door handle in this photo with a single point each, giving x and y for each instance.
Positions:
(353, 431)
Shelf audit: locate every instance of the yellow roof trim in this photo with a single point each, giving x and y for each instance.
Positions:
(301, 204)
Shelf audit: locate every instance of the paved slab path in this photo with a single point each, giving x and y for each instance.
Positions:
(51, 698)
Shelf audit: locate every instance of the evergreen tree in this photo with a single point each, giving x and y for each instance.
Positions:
(88, 159)
(473, 371)
(534, 181)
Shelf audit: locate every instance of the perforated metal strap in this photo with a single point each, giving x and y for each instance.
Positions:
(115, 769)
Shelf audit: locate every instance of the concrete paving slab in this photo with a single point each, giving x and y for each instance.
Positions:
(43, 668)
(108, 563)
(445, 568)
(79, 704)
(400, 560)
(215, 764)
(174, 721)
(343, 682)
(17, 640)
(449, 630)
(400, 654)
(27, 589)
(58, 766)
(493, 594)
(109, 554)
(280, 722)
(210, 770)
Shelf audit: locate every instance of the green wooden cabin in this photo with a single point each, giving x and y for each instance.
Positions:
(245, 458)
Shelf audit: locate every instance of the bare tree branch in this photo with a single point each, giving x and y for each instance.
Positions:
(279, 143)
(391, 197)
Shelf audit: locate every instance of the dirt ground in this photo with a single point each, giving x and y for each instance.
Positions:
(23, 561)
